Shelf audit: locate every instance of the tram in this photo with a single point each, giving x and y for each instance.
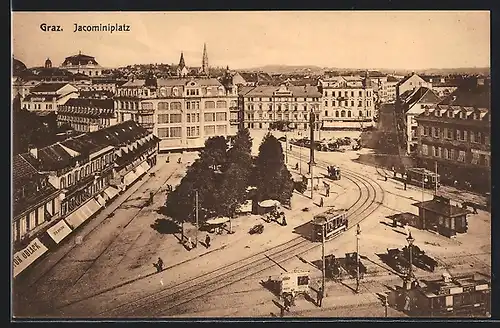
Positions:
(333, 222)
(418, 176)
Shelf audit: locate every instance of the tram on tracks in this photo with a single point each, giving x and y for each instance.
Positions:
(418, 176)
(332, 222)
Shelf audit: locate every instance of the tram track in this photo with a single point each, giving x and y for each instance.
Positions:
(131, 197)
(169, 300)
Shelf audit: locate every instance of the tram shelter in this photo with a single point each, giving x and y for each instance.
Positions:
(440, 215)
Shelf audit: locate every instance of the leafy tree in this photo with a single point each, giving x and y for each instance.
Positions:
(272, 178)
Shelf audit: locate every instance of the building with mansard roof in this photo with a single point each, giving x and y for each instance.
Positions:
(87, 114)
(456, 133)
(83, 64)
(182, 112)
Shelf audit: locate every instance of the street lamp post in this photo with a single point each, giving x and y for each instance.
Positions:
(323, 258)
(424, 181)
(286, 148)
(410, 241)
(358, 233)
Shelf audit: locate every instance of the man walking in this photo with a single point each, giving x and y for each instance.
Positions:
(207, 241)
(319, 299)
(321, 202)
(159, 265)
(327, 190)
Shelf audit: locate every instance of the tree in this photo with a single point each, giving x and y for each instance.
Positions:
(272, 178)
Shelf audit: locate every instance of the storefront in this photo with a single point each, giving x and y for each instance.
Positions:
(27, 256)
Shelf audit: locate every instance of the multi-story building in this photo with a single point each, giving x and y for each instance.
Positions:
(83, 64)
(262, 105)
(182, 112)
(387, 93)
(45, 97)
(414, 103)
(87, 114)
(456, 134)
(347, 103)
(36, 207)
(59, 187)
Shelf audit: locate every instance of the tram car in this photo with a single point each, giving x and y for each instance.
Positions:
(420, 259)
(334, 172)
(417, 176)
(332, 222)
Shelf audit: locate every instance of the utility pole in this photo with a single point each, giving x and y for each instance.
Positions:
(358, 233)
(311, 150)
(436, 177)
(196, 211)
(323, 258)
(286, 148)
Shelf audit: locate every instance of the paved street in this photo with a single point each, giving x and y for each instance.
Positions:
(115, 266)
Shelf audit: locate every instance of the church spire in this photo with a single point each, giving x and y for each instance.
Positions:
(182, 64)
(204, 64)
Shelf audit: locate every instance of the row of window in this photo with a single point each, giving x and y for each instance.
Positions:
(346, 103)
(33, 219)
(37, 106)
(279, 116)
(76, 200)
(162, 92)
(169, 118)
(346, 93)
(83, 172)
(455, 134)
(80, 119)
(282, 99)
(285, 107)
(455, 155)
(192, 131)
(343, 113)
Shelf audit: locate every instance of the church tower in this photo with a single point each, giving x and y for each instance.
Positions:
(204, 64)
(181, 68)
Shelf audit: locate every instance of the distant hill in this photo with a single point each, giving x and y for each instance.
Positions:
(314, 70)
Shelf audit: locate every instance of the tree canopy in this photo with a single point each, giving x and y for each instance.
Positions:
(220, 176)
(272, 178)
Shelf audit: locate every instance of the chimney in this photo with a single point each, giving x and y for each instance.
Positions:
(33, 151)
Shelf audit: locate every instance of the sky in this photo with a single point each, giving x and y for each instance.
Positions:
(341, 39)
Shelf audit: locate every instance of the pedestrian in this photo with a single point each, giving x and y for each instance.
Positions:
(283, 223)
(321, 202)
(296, 166)
(328, 191)
(159, 265)
(405, 185)
(319, 299)
(292, 298)
(151, 195)
(474, 208)
(385, 177)
(179, 160)
(189, 244)
(286, 303)
(168, 159)
(207, 241)
(290, 147)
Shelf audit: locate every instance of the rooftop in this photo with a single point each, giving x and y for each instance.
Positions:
(22, 170)
(48, 87)
(442, 207)
(90, 103)
(478, 96)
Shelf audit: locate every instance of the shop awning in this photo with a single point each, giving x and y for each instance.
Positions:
(59, 231)
(129, 178)
(25, 257)
(100, 200)
(139, 170)
(145, 166)
(79, 216)
(217, 221)
(111, 192)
